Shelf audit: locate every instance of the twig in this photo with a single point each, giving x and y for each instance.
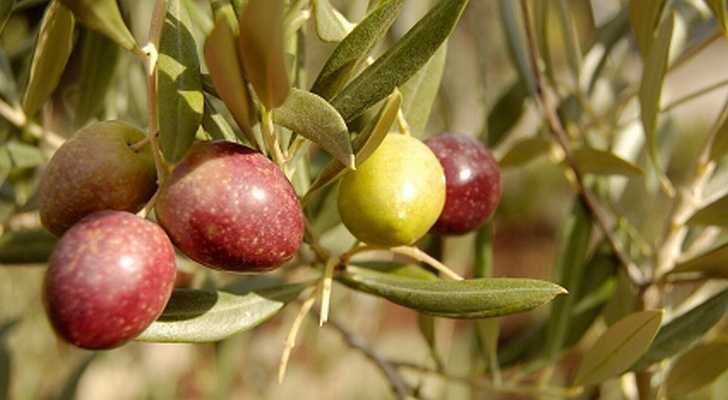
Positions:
(17, 117)
(269, 135)
(326, 283)
(559, 135)
(400, 387)
(404, 127)
(419, 255)
(291, 338)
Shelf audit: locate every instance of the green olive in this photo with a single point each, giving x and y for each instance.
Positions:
(396, 195)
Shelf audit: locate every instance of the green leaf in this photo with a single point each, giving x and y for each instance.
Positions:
(401, 61)
(601, 162)
(505, 114)
(8, 86)
(99, 58)
(719, 147)
(644, 16)
(226, 73)
(685, 329)
(6, 9)
(351, 53)
(618, 347)
(261, 50)
(713, 214)
(315, 119)
(103, 16)
(365, 143)
(6, 164)
(510, 17)
(525, 151)
(420, 91)
(26, 247)
(194, 316)
(180, 101)
(472, 298)
(713, 262)
(698, 367)
(718, 7)
(24, 155)
(55, 42)
(216, 125)
(331, 26)
(650, 92)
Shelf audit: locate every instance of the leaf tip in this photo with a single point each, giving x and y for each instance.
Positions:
(352, 163)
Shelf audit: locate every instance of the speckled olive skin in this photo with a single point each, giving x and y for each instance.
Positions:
(96, 170)
(228, 207)
(396, 195)
(109, 277)
(473, 182)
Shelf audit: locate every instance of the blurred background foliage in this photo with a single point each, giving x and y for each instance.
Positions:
(481, 94)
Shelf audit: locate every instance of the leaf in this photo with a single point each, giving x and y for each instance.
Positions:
(472, 298)
(99, 58)
(644, 16)
(6, 164)
(719, 147)
(420, 91)
(331, 26)
(487, 330)
(365, 143)
(353, 50)
(601, 162)
(6, 9)
(8, 86)
(26, 247)
(718, 7)
(54, 45)
(226, 73)
(713, 214)
(216, 125)
(103, 16)
(713, 262)
(653, 75)
(70, 387)
(194, 316)
(315, 119)
(261, 50)
(685, 329)
(180, 101)
(698, 367)
(505, 114)
(525, 151)
(510, 17)
(24, 155)
(618, 347)
(401, 61)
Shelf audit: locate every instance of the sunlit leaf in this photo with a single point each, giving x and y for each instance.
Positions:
(400, 61)
(713, 214)
(103, 16)
(601, 162)
(54, 45)
(180, 99)
(331, 26)
(618, 347)
(315, 119)
(420, 91)
(696, 368)
(644, 16)
(350, 54)
(99, 58)
(713, 262)
(24, 155)
(525, 151)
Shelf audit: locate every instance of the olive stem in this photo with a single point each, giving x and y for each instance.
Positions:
(136, 146)
(290, 342)
(326, 284)
(404, 127)
(269, 135)
(17, 117)
(419, 255)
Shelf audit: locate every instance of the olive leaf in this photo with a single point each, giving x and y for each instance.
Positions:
(331, 26)
(487, 330)
(24, 155)
(713, 262)
(6, 9)
(696, 368)
(26, 247)
(180, 100)
(715, 213)
(683, 330)
(54, 45)
(353, 50)
(644, 16)
(98, 62)
(505, 114)
(194, 316)
(420, 91)
(401, 61)
(103, 16)
(8, 86)
(226, 73)
(510, 17)
(618, 347)
(315, 119)
(215, 124)
(6, 165)
(261, 50)
(718, 7)
(601, 162)
(471, 298)
(524, 151)
(719, 148)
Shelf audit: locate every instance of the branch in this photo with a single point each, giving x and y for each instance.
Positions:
(18, 118)
(559, 135)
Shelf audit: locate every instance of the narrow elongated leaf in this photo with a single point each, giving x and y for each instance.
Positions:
(331, 26)
(226, 72)
(505, 114)
(511, 20)
(6, 8)
(525, 151)
(315, 119)
(718, 7)
(420, 91)
(349, 55)
(200, 316)
(643, 16)
(103, 16)
(601, 162)
(261, 50)
(713, 262)
(618, 347)
(685, 329)
(472, 298)
(487, 330)
(180, 100)
(54, 45)
(26, 247)
(698, 367)
(216, 125)
(719, 147)
(6, 164)
(713, 214)
(24, 155)
(401, 61)
(8, 86)
(99, 58)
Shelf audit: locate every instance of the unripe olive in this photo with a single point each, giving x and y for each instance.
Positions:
(396, 195)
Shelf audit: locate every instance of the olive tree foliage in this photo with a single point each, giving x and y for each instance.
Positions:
(236, 71)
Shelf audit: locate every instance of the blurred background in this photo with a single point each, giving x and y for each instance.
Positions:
(537, 197)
